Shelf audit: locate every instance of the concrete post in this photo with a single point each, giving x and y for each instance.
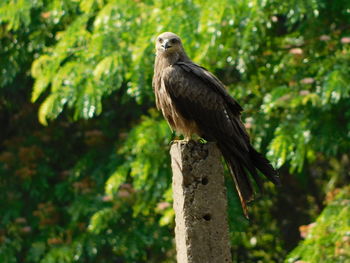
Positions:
(200, 203)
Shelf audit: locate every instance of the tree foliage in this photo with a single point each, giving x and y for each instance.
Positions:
(328, 239)
(91, 183)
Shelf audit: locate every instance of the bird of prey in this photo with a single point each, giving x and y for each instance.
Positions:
(194, 101)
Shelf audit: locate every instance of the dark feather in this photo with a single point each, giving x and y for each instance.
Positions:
(264, 166)
(212, 81)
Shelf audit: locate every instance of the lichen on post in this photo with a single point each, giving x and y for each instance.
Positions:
(200, 203)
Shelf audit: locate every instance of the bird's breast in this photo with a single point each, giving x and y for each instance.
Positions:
(172, 114)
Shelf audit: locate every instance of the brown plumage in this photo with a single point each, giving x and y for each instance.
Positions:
(194, 101)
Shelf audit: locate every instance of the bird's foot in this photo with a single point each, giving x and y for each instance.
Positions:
(202, 141)
(188, 139)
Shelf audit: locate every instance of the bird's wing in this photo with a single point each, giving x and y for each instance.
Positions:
(213, 82)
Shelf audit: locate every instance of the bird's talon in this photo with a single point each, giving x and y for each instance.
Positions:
(202, 141)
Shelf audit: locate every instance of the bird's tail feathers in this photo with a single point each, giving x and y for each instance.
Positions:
(241, 165)
(240, 177)
(264, 166)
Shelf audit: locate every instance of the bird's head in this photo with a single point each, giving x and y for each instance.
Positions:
(168, 43)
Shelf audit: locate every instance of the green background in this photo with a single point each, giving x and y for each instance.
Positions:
(84, 164)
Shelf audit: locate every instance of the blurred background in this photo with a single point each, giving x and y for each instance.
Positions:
(84, 164)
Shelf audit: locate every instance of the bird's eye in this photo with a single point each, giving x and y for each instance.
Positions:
(160, 40)
(173, 40)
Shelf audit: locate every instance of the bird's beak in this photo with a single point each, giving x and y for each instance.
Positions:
(166, 45)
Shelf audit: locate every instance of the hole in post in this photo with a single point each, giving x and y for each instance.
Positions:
(205, 181)
(207, 217)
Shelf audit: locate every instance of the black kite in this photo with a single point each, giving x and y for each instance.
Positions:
(194, 101)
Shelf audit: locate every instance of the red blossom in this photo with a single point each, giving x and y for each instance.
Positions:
(345, 40)
(296, 51)
(163, 205)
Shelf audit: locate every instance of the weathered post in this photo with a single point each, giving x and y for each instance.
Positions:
(200, 203)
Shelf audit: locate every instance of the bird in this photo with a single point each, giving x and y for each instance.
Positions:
(195, 102)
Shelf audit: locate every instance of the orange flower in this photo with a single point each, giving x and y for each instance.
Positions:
(305, 229)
